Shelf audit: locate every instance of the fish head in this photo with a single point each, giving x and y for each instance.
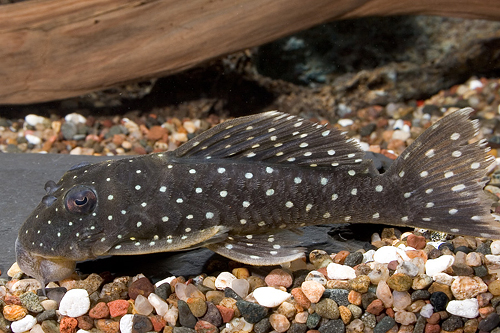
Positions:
(73, 222)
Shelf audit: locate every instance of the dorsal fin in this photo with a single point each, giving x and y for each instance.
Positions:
(274, 137)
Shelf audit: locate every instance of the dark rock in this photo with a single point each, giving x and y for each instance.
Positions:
(262, 326)
(140, 286)
(338, 295)
(4, 324)
(420, 325)
(448, 245)
(163, 291)
(490, 322)
(183, 330)
(299, 277)
(434, 253)
(335, 325)
(367, 298)
(50, 326)
(462, 248)
(439, 300)
(462, 269)
(85, 322)
(55, 294)
(452, 323)
(367, 129)
(484, 248)
(68, 130)
(432, 109)
(353, 259)
(31, 302)
(480, 271)
(228, 292)
(297, 328)
(46, 315)
(313, 320)
(495, 301)
(212, 315)
(384, 325)
(252, 312)
(420, 295)
(186, 317)
(141, 324)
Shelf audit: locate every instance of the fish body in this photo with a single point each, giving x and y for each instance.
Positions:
(242, 186)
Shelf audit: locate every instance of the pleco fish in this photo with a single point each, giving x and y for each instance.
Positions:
(240, 187)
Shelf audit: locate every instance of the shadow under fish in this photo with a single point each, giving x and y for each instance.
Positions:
(242, 189)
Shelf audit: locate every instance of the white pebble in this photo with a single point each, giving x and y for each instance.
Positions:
(270, 297)
(492, 259)
(75, 303)
(75, 118)
(495, 247)
(160, 305)
(340, 272)
(126, 323)
(368, 256)
(434, 266)
(398, 124)
(241, 287)
(238, 325)
(33, 119)
(166, 280)
(468, 308)
(427, 311)
(33, 139)
(224, 280)
(23, 325)
(386, 254)
(79, 331)
(474, 84)
(345, 122)
(443, 278)
(401, 135)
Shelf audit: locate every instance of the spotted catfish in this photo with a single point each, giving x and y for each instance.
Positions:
(240, 187)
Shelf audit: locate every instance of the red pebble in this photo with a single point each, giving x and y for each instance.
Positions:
(85, 322)
(158, 322)
(205, 327)
(118, 308)
(12, 300)
(301, 298)
(142, 287)
(68, 325)
(417, 242)
(432, 328)
(376, 307)
(226, 313)
(390, 312)
(99, 311)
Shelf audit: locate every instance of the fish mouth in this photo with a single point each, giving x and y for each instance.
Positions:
(41, 268)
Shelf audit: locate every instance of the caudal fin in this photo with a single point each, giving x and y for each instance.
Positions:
(441, 177)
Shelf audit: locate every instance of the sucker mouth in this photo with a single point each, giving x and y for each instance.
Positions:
(43, 269)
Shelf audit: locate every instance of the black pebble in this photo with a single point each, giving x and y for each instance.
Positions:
(297, 328)
(420, 325)
(464, 249)
(186, 317)
(480, 271)
(384, 325)
(55, 294)
(434, 253)
(230, 293)
(452, 323)
(338, 295)
(439, 301)
(299, 277)
(367, 129)
(212, 315)
(46, 315)
(183, 330)
(420, 295)
(431, 109)
(163, 291)
(262, 326)
(252, 312)
(335, 325)
(353, 259)
(141, 324)
(313, 320)
(448, 245)
(367, 298)
(490, 322)
(484, 248)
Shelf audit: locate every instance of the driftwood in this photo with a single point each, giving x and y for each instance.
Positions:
(54, 49)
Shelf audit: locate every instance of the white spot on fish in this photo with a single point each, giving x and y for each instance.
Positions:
(256, 146)
(430, 153)
(198, 190)
(229, 246)
(250, 154)
(426, 219)
(354, 191)
(279, 154)
(58, 234)
(351, 172)
(401, 174)
(209, 215)
(303, 145)
(144, 204)
(347, 218)
(123, 212)
(110, 197)
(308, 207)
(223, 194)
(273, 138)
(424, 174)
(379, 188)
(118, 247)
(243, 221)
(308, 153)
(407, 195)
(163, 189)
(246, 204)
(269, 170)
(276, 246)
(139, 224)
(429, 190)
(454, 230)
(297, 124)
(221, 170)
(110, 217)
(331, 152)
(192, 171)
(476, 218)
(261, 223)
(289, 204)
(325, 133)
(70, 223)
(297, 180)
(453, 211)
(458, 187)
(270, 192)
(474, 165)
(187, 229)
(138, 171)
(455, 136)
(335, 196)
(324, 181)
(249, 236)
(376, 215)
(137, 187)
(429, 205)
(291, 159)
(351, 155)
(184, 237)
(448, 174)
(189, 217)
(272, 129)
(164, 218)
(404, 219)
(248, 175)
(326, 215)
(456, 153)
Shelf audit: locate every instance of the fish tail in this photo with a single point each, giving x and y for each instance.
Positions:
(439, 179)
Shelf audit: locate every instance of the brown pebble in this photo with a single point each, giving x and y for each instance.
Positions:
(279, 322)
(107, 325)
(432, 328)
(485, 311)
(471, 326)
(12, 300)
(99, 311)
(400, 282)
(68, 325)
(393, 265)
(376, 307)
(434, 319)
(345, 314)
(360, 284)
(158, 322)
(241, 273)
(197, 306)
(436, 286)
(14, 312)
(340, 257)
(156, 133)
(417, 242)
(354, 297)
(494, 287)
(142, 287)
(226, 313)
(278, 278)
(85, 322)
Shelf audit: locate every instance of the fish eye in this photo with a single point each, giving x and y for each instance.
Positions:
(80, 200)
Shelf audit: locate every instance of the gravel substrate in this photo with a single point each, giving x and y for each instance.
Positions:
(416, 281)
